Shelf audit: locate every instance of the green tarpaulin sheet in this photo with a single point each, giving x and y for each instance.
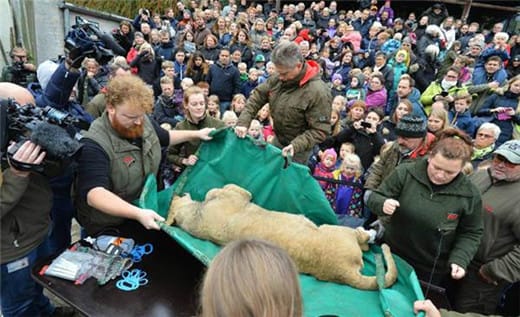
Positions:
(262, 170)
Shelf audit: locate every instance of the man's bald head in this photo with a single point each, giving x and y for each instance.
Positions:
(20, 94)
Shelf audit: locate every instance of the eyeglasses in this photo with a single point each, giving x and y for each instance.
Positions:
(485, 136)
(497, 159)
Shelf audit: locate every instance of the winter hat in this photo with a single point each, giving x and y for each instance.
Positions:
(138, 34)
(411, 126)
(510, 150)
(361, 79)
(45, 71)
(337, 76)
(516, 58)
(330, 152)
(279, 20)
(259, 58)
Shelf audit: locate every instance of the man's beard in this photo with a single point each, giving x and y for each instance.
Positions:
(127, 133)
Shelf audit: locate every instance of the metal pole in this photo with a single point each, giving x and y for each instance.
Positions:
(465, 12)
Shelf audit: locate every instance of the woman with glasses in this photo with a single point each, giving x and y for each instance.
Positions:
(484, 143)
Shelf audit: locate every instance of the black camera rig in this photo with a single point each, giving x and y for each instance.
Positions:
(53, 130)
(86, 40)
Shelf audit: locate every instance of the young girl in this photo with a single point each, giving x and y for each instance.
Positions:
(255, 130)
(388, 125)
(438, 120)
(238, 103)
(348, 203)
(325, 169)
(214, 106)
(230, 118)
(334, 122)
(264, 117)
(356, 91)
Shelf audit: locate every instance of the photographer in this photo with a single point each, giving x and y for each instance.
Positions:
(143, 17)
(21, 72)
(364, 134)
(25, 203)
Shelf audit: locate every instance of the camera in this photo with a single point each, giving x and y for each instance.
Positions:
(84, 41)
(365, 124)
(47, 127)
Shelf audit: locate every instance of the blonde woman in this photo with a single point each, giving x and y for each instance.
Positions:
(251, 278)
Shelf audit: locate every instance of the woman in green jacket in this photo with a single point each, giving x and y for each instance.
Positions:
(436, 220)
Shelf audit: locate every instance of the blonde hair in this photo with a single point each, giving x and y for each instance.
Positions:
(131, 90)
(251, 278)
(352, 159)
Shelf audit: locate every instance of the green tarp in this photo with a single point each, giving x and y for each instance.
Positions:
(261, 170)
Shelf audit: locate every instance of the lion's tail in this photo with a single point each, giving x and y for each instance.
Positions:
(370, 282)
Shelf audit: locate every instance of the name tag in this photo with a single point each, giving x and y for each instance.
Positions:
(17, 265)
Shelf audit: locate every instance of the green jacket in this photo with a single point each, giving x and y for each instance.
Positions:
(176, 153)
(416, 227)
(129, 166)
(435, 89)
(300, 108)
(25, 204)
(499, 251)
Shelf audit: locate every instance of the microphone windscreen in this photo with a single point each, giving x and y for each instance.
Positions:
(54, 140)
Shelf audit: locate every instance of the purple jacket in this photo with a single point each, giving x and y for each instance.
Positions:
(376, 99)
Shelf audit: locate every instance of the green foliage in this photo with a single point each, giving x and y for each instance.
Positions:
(126, 8)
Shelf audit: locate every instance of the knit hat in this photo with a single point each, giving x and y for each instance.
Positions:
(411, 126)
(337, 76)
(329, 152)
(516, 58)
(259, 58)
(45, 71)
(510, 150)
(279, 20)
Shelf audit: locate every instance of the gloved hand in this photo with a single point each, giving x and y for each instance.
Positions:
(379, 228)
(413, 68)
(144, 54)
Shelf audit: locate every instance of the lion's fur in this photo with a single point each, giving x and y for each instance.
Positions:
(330, 253)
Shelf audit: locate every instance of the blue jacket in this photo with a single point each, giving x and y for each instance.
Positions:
(506, 125)
(224, 81)
(464, 121)
(480, 76)
(57, 94)
(165, 51)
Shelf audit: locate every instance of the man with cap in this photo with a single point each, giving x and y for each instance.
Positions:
(497, 262)
(413, 141)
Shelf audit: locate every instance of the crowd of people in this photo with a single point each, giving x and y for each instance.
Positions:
(413, 121)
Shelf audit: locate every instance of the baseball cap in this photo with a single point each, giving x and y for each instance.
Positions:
(510, 150)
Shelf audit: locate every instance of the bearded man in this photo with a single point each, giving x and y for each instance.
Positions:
(119, 150)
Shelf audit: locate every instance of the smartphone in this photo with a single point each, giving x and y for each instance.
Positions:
(365, 124)
(444, 93)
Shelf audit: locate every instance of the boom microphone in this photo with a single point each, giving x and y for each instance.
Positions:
(54, 140)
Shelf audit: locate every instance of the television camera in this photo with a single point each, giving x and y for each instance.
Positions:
(51, 129)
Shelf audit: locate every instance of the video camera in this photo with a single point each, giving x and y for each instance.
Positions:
(47, 127)
(84, 40)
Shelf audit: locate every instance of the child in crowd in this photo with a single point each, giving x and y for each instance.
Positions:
(251, 83)
(339, 103)
(214, 106)
(244, 76)
(325, 169)
(356, 91)
(344, 149)
(255, 130)
(460, 117)
(165, 112)
(348, 202)
(264, 117)
(238, 103)
(230, 118)
(437, 120)
(336, 86)
(269, 70)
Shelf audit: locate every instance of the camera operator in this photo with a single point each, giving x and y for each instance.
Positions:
(143, 17)
(25, 203)
(21, 72)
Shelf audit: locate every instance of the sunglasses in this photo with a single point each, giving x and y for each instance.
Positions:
(497, 159)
